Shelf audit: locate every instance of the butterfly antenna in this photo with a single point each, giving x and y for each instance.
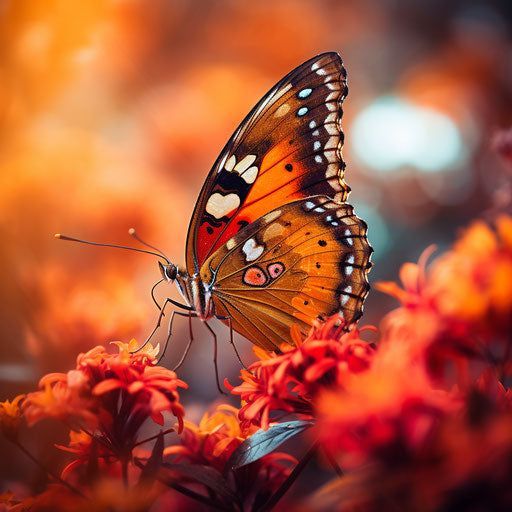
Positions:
(115, 246)
(135, 235)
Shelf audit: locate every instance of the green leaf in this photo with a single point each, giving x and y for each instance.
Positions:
(263, 442)
(154, 463)
(205, 475)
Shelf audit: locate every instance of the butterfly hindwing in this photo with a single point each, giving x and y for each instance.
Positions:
(303, 260)
(287, 148)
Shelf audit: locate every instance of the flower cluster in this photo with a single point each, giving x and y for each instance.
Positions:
(428, 424)
(106, 401)
(211, 444)
(290, 382)
(109, 392)
(461, 309)
(420, 416)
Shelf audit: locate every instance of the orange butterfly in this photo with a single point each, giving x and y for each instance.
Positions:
(272, 242)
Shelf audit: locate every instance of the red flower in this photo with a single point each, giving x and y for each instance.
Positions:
(110, 397)
(288, 383)
(393, 404)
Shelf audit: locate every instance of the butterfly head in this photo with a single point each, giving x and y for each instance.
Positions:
(169, 271)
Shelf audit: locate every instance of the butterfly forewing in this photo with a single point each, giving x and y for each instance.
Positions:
(287, 148)
(304, 260)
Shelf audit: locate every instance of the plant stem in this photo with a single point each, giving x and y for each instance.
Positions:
(506, 357)
(124, 469)
(333, 463)
(194, 495)
(168, 431)
(297, 470)
(54, 475)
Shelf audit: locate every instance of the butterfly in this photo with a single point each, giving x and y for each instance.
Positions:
(272, 241)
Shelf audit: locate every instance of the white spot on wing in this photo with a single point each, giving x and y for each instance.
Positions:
(349, 269)
(230, 163)
(316, 145)
(344, 298)
(219, 205)
(331, 156)
(302, 111)
(230, 244)
(350, 241)
(269, 217)
(250, 175)
(331, 118)
(282, 110)
(245, 163)
(332, 129)
(252, 250)
(305, 93)
(332, 171)
(332, 143)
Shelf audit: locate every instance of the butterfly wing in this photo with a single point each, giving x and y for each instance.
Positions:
(306, 259)
(287, 148)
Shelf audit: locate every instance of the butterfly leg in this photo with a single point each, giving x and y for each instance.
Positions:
(153, 293)
(189, 344)
(169, 333)
(215, 358)
(158, 323)
(231, 340)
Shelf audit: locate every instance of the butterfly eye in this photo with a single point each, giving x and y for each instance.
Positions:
(255, 276)
(275, 270)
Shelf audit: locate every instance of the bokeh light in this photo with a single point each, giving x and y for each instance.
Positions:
(391, 133)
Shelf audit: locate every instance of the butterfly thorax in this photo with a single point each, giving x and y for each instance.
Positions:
(197, 294)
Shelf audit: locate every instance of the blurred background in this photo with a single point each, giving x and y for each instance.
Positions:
(113, 111)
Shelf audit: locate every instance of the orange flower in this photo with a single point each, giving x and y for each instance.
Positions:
(10, 416)
(211, 443)
(288, 383)
(61, 397)
(111, 395)
(213, 440)
(413, 277)
(480, 263)
(463, 306)
(393, 405)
